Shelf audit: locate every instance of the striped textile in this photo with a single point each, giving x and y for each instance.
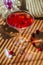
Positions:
(13, 44)
(35, 7)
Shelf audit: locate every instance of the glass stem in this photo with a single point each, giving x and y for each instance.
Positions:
(20, 35)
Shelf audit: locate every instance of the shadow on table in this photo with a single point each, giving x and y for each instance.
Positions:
(5, 31)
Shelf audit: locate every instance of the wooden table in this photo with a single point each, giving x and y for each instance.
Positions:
(21, 50)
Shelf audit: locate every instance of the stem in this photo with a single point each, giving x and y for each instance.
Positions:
(36, 41)
(20, 36)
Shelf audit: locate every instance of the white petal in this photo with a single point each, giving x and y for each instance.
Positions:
(10, 56)
(7, 53)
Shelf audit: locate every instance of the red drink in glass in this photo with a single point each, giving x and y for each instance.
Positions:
(20, 19)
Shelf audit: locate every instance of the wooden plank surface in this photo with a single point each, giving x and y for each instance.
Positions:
(21, 49)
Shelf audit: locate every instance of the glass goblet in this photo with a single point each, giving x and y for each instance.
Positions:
(20, 20)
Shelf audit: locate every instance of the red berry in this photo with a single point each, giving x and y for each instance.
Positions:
(31, 19)
(11, 52)
(39, 49)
